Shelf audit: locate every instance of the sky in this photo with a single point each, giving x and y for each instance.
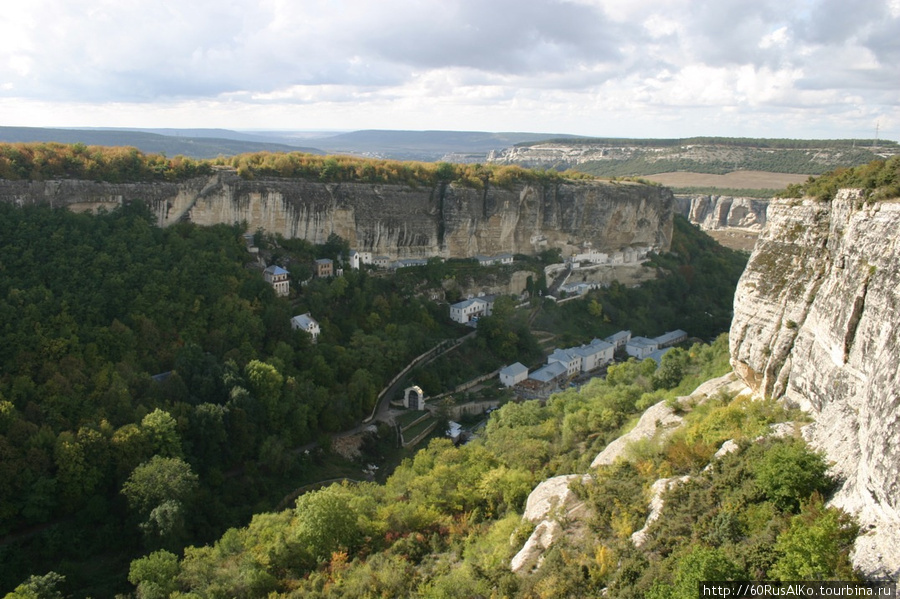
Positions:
(609, 68)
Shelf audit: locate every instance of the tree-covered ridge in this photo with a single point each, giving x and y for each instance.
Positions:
(879, 180)
(447, 522)
(787, 160)
(366, 170)
(121, 343)
(739, 142)
(46, 161)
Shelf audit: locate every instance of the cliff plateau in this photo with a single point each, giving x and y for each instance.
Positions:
(815, 319)
(391, 219)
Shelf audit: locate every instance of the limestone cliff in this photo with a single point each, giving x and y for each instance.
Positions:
(711, 212)
(815, 320)
(395, 220)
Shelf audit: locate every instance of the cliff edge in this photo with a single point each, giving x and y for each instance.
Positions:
(446, 219)
(815, 319)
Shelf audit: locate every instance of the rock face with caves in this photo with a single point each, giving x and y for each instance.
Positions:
(816, 318)
(396, 220)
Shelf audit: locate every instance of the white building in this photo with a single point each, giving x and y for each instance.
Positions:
(641, 347)
(307, 323)
(357, 258)
(579, 288)
(279, 279)
(568, 358)
(476, 307)
(620, 339)
(595, 355)
(491, 260)
(512, 374)
(414, 398)
(590, 255)
(405, 262)
(381, 261)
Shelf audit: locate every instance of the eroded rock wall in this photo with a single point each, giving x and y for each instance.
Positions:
(816, 315)
(396, 220)
(712, 212)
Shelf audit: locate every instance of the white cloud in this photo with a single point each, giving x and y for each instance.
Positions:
(662, 67)
(777, 39)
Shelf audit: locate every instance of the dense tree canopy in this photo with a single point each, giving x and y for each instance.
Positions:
(123, 344)
(42, 161)
(446, 523)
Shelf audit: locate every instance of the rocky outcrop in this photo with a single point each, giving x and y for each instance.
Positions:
(816, 314)
(556, 509)
(395, 220)
(659, 420)
(657, 490)
(711, 212)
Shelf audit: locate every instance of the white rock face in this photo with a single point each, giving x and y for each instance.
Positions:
(550, 503)
(552, 497)
(656, 505)
(658, 419)
(727, 447)
(532, 553)
(711, 212)
(400, 221)
(816, 314)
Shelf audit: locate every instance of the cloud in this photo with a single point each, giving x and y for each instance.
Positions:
(407, 61)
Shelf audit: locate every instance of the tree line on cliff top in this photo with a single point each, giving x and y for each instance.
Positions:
(879, 180)
(47, 161)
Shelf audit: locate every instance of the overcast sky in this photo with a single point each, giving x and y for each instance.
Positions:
(637, 68)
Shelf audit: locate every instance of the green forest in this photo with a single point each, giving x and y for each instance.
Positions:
(127, 350)
(879, 180)
(157, 410)
(446, 523)
(153, 393)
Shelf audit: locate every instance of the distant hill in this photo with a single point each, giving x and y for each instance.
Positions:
(212, 142)
(452, 146)
(427, 146)
(609, 157)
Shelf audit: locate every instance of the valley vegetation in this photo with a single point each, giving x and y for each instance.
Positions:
(153, 394)
(447, 522)
(153, 398)
(130, 353)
